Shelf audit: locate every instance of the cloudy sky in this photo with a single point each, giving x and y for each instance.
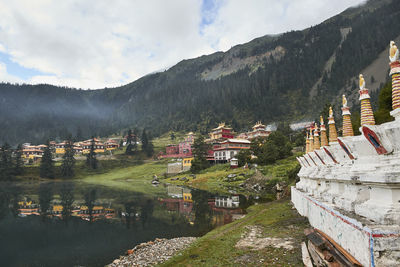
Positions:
(100, 43)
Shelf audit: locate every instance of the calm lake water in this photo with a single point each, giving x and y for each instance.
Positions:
(74, 224)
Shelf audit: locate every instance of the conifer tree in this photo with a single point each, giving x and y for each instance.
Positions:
(200, 151)
(147, 145)
(47, 163)
(18, 168)
(68, 163)
(6, 164)
(91, 160)
(129, 145)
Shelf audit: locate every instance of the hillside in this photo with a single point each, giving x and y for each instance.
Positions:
(283, 77)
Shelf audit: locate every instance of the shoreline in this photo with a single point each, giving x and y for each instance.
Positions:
(153, 252)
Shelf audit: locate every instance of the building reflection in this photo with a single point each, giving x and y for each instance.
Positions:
(218, 210)
(195, 207)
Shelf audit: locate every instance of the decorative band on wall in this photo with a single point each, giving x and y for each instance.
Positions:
(312, 159)
(330, 155)
(374, 140)
(319, 157)
(307, 161)
(346, 149)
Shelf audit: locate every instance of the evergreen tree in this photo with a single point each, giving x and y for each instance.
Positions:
(6, 164)
(129, 146)
(147, 145)
(19, 164)
(244, 156)
(382, 114)
(68, 163)
(47, 163)
(91, 160)
(200, 151)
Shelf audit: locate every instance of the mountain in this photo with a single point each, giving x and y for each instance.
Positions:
(287, 77)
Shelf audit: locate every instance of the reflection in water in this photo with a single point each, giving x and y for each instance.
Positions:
(40, 235)
(90, 198)
(45, 197)
(67, 199)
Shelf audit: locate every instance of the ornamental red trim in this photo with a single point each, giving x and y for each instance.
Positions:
(374, 140)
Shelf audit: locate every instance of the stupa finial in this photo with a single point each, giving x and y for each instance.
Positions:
(367, 116)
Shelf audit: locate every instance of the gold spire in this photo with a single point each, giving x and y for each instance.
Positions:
(395, 73)
(311, 148)
(324, 139)
(307, 144)
(367, 116)
(332, 127)
(347, 126)
(317, 144)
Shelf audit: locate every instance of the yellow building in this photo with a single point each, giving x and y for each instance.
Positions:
(99, 147)
(187, 197)
(60, 148)
(187, 162)
(32, 152)
(111, 145)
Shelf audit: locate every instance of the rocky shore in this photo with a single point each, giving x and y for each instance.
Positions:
(153, 252)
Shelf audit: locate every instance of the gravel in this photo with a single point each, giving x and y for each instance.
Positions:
(153, 252)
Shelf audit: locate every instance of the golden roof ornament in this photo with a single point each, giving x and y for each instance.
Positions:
(393, 52)
(344, 101)
(361, 82)
(330, 111)
(321, 120)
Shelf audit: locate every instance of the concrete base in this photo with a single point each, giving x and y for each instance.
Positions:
(370, 243)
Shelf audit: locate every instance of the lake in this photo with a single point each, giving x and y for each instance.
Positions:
(78, 224)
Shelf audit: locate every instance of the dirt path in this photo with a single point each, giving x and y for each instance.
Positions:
(243, 221)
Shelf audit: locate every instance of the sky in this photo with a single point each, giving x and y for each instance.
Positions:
(100, 43)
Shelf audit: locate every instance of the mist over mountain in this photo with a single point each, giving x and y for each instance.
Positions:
(287, 77)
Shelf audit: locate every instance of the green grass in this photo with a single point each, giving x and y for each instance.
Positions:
(213, 179)
(135, 178)
(217, 248)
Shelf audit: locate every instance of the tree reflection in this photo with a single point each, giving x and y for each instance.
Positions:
(3, 204)
(90, 198)
(147, 212)
(45, 197)
(201, 208)
(67, 199)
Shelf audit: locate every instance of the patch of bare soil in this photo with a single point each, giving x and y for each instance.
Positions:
(254, 240)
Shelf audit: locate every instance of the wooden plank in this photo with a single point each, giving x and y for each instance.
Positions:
(306, 255)
(318, 261)
(316, 240)
(346, 254)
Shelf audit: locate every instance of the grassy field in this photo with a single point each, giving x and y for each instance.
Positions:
(134, 178)
(214, 179)
(275, 220)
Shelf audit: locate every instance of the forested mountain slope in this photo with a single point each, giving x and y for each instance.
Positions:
(285, 77)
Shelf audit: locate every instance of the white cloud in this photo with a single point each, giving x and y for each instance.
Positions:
(98, 43)
(240, 21)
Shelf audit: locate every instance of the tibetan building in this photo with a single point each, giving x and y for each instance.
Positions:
(229, 148)
(222, 132)
(259, 130)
